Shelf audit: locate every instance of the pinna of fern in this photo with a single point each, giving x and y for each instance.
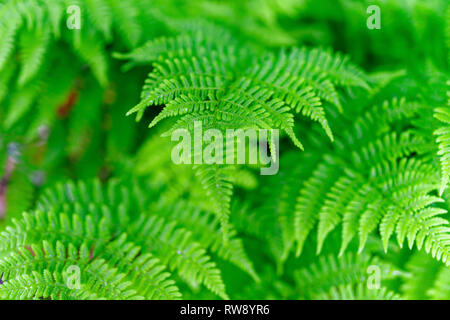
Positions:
(443, 138)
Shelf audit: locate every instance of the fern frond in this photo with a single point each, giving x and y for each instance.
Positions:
(378, 187)
(443, 138)
(309, 199)
(216, 183)
(8, 29)
(32, 53)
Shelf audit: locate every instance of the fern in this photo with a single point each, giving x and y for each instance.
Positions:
(348, 189)
(206, 84)
(92, 206)
(203, 83)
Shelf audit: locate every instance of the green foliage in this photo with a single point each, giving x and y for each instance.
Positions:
(92, 205)
(341, 278)
(110, 224)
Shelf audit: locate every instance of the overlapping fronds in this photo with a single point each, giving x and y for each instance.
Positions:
(93, 218)
(87, 25)
(199, 78)
(443, 136)
(377, 187)
(354, 120)
(374, 186)
(48, 270)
